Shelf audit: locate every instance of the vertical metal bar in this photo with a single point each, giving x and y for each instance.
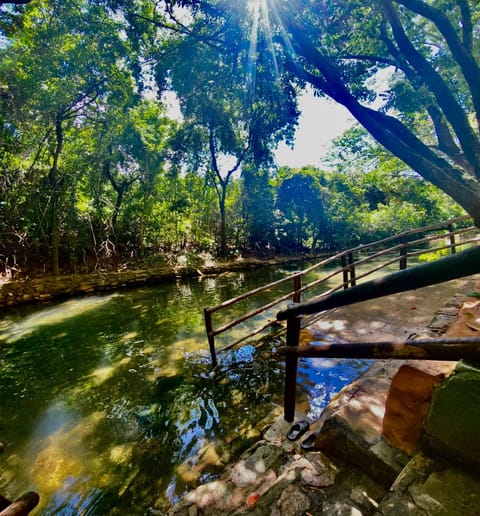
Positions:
(452, 239)
(351, 262)
(211, 339)
(403, 254)
(291, 362)
(343, 260)
(297, 285)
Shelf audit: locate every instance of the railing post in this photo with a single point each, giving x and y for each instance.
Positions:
(343, 261)
(211, 339)
(351, 263)
(452, 239)
(291, 362)
(403, 254)
(297, 285)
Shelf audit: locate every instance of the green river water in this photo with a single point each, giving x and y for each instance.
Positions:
(109, 405)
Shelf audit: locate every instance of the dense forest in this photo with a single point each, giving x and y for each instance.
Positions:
(96, 173)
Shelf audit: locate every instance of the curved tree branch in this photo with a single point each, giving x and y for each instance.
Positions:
(467, 26)
(461, 50)
(389, 131)
(445, 99)
(446, 143)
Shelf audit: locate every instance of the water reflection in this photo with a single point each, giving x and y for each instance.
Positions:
(108, 404)
(12, 330)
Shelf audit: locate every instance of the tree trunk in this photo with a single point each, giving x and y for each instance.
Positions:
(116, 209)
(223, 221)
(55, 184)
(463, 187)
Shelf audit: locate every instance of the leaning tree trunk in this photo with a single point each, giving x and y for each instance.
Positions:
(460, 184)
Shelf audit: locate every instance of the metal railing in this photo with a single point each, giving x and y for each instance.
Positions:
(459, 265)
(407, 245)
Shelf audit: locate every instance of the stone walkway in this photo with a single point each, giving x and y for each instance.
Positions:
(354, 468)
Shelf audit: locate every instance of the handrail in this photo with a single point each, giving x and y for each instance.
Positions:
(461, 348)
(451, 267)
(420, 349)
(347, 268)
(241, 297)
(448, 268)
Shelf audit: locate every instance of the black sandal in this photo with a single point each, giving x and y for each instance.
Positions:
(309, 442)
(298, 429)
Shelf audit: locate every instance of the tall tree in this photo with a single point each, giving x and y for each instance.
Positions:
(430, 119)
(62, 63)
(300, 200)
(234, 111)
(427, 52)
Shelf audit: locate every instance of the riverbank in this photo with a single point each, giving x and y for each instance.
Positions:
(48, 288)
(368, 456)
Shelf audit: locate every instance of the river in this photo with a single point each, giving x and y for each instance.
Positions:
(109, 405)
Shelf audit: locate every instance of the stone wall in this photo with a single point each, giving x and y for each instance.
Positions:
(49, 288)
(57, 287)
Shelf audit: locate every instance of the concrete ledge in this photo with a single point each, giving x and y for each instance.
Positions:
(353, 430)
(409, 399)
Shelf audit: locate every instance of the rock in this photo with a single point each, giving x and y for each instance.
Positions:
(448, 492)
(409, 399)
(452, 424)
(353, 430)
(292, 502)
(399, 505)
(193, 510)
(214, 494)
(430, 486)
(248, 471)
(319, 471)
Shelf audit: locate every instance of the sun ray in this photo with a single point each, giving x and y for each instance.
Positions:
(252, 50)
(265, 16)
(266, 23)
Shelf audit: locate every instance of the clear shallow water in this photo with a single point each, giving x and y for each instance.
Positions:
(108, 404)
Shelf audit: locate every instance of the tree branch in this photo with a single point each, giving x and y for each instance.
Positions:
(461, 50)
(179, 28)
(445, 99)
(444, 138)
(467, 25)
(388, 131)
(372, 59)
(446, 143)
(40, 147)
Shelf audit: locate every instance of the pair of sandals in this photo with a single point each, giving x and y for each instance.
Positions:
(297, 430)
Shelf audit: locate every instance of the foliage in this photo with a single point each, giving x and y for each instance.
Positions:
(234, 113)
(427, 54)
(94, 173)
(300, 202)
(64, 62)
(369, 195)
(377, 193)
(427, 51)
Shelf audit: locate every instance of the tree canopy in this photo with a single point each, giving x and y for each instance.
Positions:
(94, 171)
(425, 52)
